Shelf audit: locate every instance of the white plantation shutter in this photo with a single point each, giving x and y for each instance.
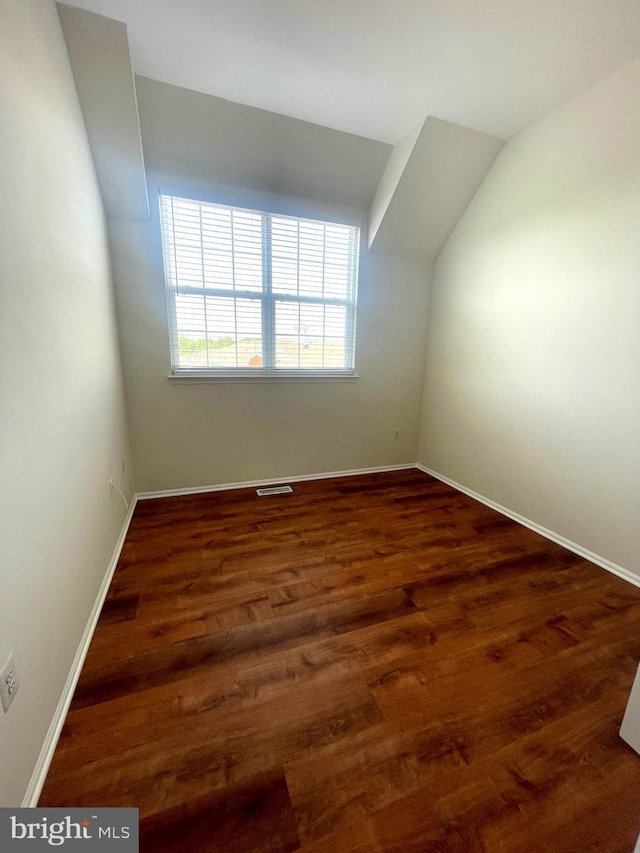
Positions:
(258, 293)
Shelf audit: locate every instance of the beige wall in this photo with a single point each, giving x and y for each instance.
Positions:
(532, 394)
(62, 430)
(391, 177)
(443, 168)
(187, 434)
(195, 135)
(98, 49)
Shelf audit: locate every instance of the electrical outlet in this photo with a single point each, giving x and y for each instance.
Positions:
(396, 434)
(8, 683)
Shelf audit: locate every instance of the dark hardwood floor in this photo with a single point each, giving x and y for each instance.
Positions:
(375, 663)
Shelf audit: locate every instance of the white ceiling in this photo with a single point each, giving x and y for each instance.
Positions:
(378, 67)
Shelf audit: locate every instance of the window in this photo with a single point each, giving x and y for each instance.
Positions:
(253, 293)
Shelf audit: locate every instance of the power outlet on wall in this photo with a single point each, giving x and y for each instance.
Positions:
(8, 683)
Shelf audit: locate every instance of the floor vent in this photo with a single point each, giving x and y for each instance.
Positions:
(276, 490)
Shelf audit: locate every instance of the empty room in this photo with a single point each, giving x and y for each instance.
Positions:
(320, 426)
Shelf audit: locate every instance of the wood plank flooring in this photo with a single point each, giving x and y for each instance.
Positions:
(374, 664)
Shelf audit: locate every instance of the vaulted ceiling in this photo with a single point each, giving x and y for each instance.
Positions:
(378, 67)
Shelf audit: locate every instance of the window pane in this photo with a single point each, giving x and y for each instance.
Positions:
(303, 274)
(310, 335)
(310, 278)
(247, 250)
(285, 275)
(313, 258)
(284, 237)
(311, 254)
(186, 244)
(287, 335)
(218, 332)
(212, 246)
(336, 281)
(190, 314)
(335, 320)
(239, 323)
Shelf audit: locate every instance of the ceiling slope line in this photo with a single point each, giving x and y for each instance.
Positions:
(430, 178)
(98, 49)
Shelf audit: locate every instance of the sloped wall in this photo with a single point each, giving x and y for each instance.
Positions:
(532, 394)
(430, 178)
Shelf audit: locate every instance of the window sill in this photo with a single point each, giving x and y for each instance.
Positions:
(225, 378)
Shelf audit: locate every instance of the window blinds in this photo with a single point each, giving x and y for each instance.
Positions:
(253, 292)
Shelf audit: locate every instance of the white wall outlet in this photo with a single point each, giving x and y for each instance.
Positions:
(8, 683)
(396, 434)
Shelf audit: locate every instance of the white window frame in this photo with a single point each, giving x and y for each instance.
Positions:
(268, 299)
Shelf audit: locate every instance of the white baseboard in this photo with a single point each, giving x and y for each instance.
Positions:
(51, 741)
(614, 568)
(251, 484)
